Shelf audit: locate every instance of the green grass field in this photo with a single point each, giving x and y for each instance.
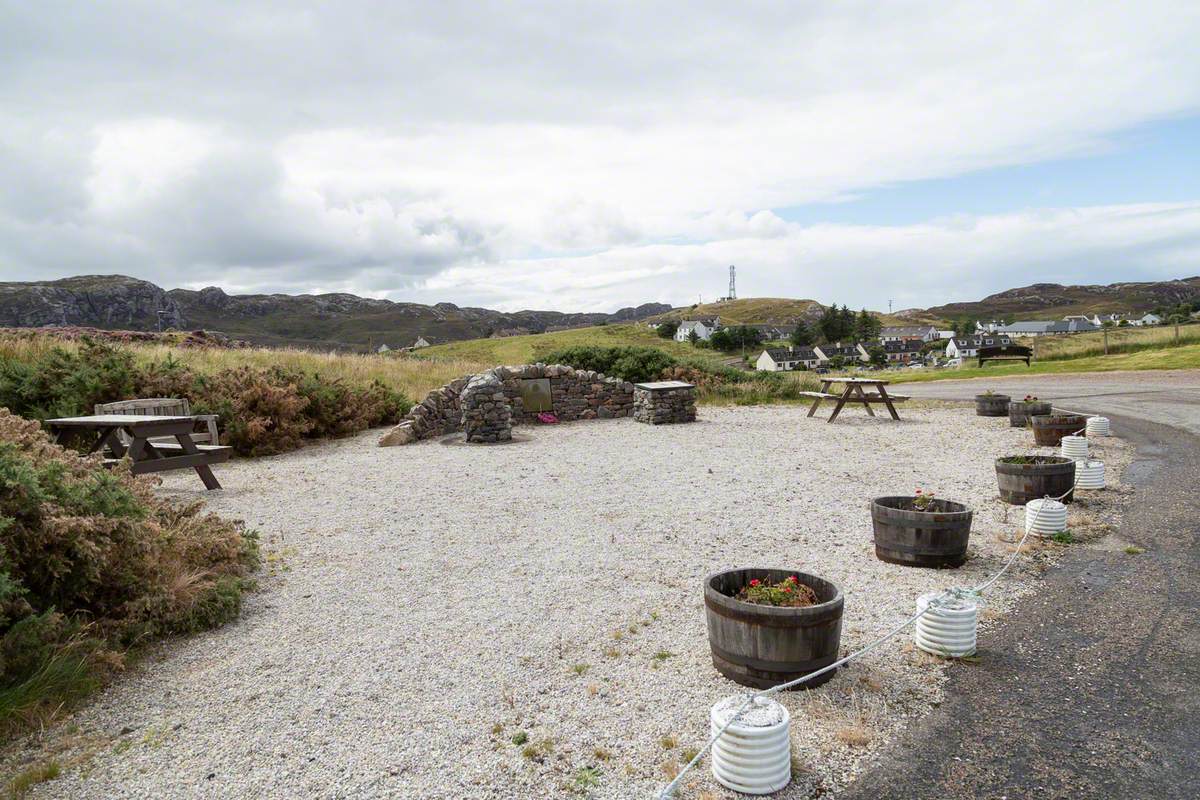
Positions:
(536, 346)
(1182, 357)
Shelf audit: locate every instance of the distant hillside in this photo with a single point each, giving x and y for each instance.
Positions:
(1054, 301)
(341, 321)
(768, 310)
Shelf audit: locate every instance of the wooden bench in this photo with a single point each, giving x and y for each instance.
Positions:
(873, 397)
(1008, 352)
(821, 395)
(160, 456)
(162, 407)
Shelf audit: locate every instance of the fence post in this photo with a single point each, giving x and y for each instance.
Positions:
(1106, 341)
(1176, 333)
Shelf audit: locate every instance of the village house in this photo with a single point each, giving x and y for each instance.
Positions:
(420, 342)
(849, 352)
(704, 329)
(1045, 327)
(904, 351)
(959, 348)
(780, 359)
(1146, 319)
(921, 333)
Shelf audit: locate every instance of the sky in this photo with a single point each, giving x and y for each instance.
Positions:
(584, 157)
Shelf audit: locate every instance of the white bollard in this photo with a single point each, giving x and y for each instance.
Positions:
(1089, 474)
(948, 629)
(1045, 517)
(1075, 448)
(1097, 426)
(754, 756)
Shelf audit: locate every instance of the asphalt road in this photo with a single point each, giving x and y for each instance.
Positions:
(1091, 687)
(1168, 397)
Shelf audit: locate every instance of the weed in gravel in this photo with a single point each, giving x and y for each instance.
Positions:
(670, 769)
(520, 737)
(602, 754)
(618, 635)
(853, 735)
(497, 729)
(1063, 537)
(668, 742)
(593, 689)
(1134, 550)
(585, 778)
(580, 669)
(612, 652)
(688, 754)
(25, 780)
(662, 655)
(537, 751)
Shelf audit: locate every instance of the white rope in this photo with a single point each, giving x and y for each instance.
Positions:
(669, 791)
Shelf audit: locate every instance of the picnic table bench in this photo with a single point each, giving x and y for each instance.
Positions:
(141, 438)
(853, 392)
(1005, 352)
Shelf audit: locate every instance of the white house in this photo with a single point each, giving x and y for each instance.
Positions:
(786, 358)
(849, 352)
(420, 342)
(943, 335)
(704, 329)
(1146, 319)
(383, 348)
(923, 333)
(960, 348)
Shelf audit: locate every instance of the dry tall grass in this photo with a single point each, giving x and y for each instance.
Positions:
(414, 377)
(1120, 340)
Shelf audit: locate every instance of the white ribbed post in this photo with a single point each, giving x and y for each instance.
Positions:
(755, 754)
(1097, 426)
(948, 629)
(1075, 447)
(1045, 517)
(1089, 474)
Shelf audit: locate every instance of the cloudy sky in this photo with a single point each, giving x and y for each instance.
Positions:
(589, 156)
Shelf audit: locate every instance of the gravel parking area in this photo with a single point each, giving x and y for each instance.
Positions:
(424, 607)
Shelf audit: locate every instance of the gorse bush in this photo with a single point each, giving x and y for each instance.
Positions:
(262, 410)
(91, 563)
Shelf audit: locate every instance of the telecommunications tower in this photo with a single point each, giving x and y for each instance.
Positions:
(732, 288)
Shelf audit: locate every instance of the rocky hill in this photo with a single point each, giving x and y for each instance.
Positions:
(341, 321)
(1054, 301)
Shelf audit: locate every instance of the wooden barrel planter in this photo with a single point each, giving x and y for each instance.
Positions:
(762, 646)
(991, 405)
(1019, 412)
(1049, 429)
(1025, 478)
(936, 537)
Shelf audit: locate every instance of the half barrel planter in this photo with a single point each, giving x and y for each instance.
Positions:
(991, 405)
(762, 646)
(1044, 476)
(1020, 412)
(1049, 429)
(912, 538)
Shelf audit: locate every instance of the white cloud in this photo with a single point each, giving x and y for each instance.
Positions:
(556, 156)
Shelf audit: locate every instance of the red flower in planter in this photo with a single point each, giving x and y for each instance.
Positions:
(794, 579)
(754, 581)
(787, 589)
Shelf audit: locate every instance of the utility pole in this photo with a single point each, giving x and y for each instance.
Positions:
(1105, 341)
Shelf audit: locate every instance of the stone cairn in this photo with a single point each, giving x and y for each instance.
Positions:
(664, 402)
(486, 413)
(575, 394)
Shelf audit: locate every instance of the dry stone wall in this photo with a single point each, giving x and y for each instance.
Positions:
(575, 395)
(486, 412)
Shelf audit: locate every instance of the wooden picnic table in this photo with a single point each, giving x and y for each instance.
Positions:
(852, 392)
(147, 456)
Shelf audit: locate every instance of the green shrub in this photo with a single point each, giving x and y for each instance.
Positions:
(261, 410)
(626, 363)
(92, 562)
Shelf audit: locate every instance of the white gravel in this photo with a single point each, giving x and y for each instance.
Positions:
(423, 605)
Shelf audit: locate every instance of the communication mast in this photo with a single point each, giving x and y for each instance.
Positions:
(732, 288)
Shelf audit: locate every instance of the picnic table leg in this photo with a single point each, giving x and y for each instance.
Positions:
(866, 403)
(887, 401)
(817, 400)
(841, 402)
(203, 470)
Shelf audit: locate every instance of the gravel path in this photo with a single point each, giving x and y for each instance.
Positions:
(424, 606)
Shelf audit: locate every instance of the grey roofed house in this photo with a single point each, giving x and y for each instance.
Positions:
(926, 332)
(903, 346)
(792, 353)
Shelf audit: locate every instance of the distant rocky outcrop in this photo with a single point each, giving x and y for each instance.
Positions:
(101, 301)
(1053, 300)
(326, 321)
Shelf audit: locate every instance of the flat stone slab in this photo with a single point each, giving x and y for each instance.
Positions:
(662, 386)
